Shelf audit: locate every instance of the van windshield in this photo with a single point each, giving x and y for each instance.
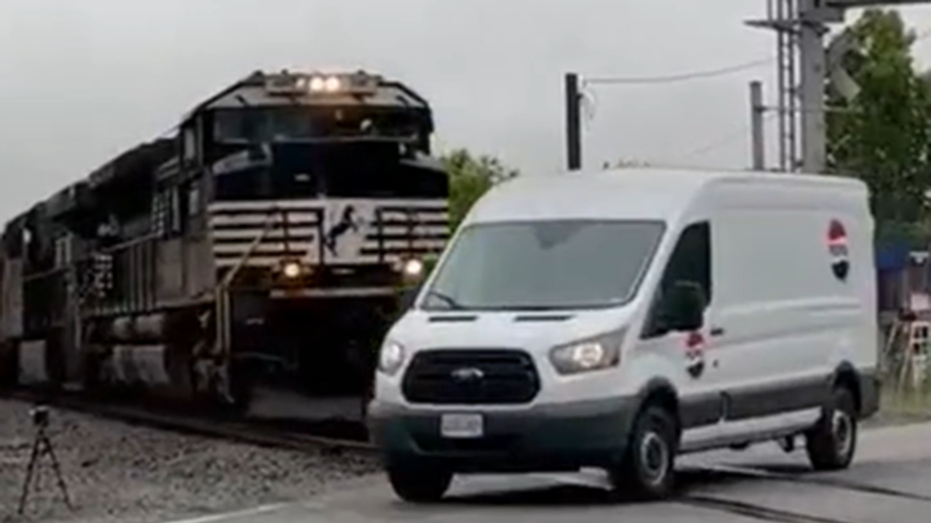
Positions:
(542, 265)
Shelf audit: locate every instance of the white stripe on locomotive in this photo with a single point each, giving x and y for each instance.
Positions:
(293, 227)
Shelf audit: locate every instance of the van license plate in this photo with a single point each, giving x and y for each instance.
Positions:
(462, 426)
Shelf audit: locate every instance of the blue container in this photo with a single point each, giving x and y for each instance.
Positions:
(892, 256)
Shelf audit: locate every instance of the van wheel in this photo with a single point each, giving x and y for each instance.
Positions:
(648, 468)
(419, 484)
(831, 444)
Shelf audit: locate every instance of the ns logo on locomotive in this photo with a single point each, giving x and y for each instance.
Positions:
(265, 245)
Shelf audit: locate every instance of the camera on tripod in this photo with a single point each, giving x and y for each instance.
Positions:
(41, 446)
(39, 415)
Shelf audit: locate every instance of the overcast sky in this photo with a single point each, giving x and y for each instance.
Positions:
(83, 80)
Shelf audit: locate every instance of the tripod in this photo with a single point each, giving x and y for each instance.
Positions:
(42, 446)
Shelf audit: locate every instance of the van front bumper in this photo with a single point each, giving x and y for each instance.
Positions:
(543, 438)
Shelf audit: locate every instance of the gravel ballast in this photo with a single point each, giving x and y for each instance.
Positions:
(117, 472)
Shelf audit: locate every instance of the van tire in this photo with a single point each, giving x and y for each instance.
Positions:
(832, 443)
(415, 483)
(648, 468)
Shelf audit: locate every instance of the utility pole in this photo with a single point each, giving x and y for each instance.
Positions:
(573, 122)
(757, 111)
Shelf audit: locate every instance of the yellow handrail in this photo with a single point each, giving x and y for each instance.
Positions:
(231, 274)
(221, 288)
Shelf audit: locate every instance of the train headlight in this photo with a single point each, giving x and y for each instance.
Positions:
(325, 84)
(291, 269)
(332, 84)
(317, 84)
(412, 268)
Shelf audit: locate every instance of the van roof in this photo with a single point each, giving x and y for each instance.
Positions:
(632, 193)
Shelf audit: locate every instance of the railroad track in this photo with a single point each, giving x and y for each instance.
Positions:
(821, 481)
(299, 436)
(768, 513)
(275, 436)
(754, 511)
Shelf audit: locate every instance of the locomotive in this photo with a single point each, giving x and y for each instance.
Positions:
(263, 245)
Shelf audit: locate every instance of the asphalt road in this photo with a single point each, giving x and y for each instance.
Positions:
(889, 482)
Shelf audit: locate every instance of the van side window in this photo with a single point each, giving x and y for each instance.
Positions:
(690, 261)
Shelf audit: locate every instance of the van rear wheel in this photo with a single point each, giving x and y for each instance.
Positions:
(832, 443)
(648, 468)
(419, 483)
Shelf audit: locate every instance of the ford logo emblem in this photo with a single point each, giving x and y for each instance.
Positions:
(468, 374)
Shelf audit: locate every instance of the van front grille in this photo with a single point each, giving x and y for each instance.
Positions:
(471, 377)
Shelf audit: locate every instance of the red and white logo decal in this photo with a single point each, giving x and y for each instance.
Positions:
(695, 354)
(838, 250)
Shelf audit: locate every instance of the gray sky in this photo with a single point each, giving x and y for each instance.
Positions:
(86, 79)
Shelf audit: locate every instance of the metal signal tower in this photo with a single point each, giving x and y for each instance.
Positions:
(804, 67)
(780, 17)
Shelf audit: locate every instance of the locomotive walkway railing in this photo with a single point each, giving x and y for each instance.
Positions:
(119, 279)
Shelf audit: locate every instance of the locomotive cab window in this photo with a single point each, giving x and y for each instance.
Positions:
(189, 144)
(269, 124)
(193, 199)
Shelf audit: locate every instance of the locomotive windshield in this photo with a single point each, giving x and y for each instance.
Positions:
(349, 170)
(304, 123)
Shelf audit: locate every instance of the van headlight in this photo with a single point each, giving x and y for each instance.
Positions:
(391, 358)
(600, 352)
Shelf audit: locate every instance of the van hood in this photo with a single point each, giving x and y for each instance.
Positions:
(531, 331)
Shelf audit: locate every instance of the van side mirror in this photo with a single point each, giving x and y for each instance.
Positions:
(682, 307)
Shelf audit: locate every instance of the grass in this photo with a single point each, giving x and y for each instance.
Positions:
(903, 405)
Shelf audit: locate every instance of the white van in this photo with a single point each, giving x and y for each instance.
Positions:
(616, 319)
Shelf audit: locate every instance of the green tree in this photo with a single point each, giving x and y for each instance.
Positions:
(470, 176)
(882, 135)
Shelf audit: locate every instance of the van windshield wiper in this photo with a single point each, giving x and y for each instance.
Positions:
(526, 308)
(447, 299)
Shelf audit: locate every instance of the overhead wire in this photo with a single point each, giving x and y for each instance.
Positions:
(722, 141)
(698, 75)
(679, 77)
(589, 99)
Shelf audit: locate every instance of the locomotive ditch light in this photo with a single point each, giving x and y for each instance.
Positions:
(413, 268)
(291, 269)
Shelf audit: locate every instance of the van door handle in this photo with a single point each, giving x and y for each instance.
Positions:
(717, 331)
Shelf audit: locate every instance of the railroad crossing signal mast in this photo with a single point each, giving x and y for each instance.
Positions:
(804, 65)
